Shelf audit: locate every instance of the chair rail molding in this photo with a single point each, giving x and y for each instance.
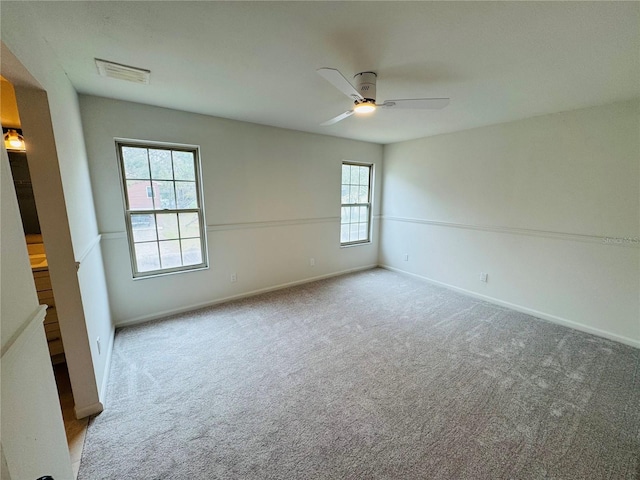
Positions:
(630, 241)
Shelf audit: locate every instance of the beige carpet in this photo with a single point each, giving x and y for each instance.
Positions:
(374, 375)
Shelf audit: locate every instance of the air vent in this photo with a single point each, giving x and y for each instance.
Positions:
(123, 72)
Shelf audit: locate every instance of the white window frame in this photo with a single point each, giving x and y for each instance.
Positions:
(368, 204)
(122, 142)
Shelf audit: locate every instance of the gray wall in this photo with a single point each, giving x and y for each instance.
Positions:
(271, 196)
(533, 204)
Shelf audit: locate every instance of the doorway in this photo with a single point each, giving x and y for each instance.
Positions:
(17, 153)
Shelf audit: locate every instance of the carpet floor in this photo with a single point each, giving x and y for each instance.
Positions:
(373, 375)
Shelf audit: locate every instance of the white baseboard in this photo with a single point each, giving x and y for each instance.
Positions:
(102, 393)
(519, 308)
(88, 410)
(196, 306)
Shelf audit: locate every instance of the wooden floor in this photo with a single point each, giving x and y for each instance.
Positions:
(75, 429)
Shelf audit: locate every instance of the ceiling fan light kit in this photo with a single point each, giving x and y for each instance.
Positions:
(365, 106)
(364, 95)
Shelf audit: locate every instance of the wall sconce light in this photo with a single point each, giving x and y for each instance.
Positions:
(14, 141)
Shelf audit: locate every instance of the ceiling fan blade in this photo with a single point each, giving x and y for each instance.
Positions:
(335, 78)
(342, 116)
(424, 103)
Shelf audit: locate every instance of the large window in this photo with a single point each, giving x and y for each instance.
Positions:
(163, 207)
(355, 219)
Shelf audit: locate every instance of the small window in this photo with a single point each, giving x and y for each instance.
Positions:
(355, 218)
(163, 208)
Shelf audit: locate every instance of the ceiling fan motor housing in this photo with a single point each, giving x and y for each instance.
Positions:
(366, 85)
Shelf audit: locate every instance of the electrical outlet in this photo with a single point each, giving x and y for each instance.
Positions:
(98, 343)
(484, 277)
(312, 262)
(234, 278)
(406, 257)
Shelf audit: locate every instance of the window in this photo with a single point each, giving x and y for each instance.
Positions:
(355, 217)
(163, 207)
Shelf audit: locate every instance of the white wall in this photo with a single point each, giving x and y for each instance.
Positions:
(272, 201)
(33, 442)
(531, 203)
(62, 190)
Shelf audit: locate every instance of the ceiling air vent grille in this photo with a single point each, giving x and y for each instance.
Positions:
(123, 72)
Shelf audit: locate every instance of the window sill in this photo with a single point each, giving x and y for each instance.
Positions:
(176, 272)
(359, 244)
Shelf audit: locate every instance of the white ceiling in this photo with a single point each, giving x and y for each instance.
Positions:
(256, 61)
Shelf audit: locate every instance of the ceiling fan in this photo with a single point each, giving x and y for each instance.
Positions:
(364, 95)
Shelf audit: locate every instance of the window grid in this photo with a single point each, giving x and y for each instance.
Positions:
(182, 246)
(355, 218)
(180, 238)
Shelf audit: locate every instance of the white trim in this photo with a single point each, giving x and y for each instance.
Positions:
(88, 250)
(89, 410)
(102, 393)
(270, 223)
(355, 244)
(113, 235)
(545, 316)
(196, 306)
(609, 240)
(219, 227)
(194, 151)
(357, 163)
(171, 272)
(154, 143)
(17, 341)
